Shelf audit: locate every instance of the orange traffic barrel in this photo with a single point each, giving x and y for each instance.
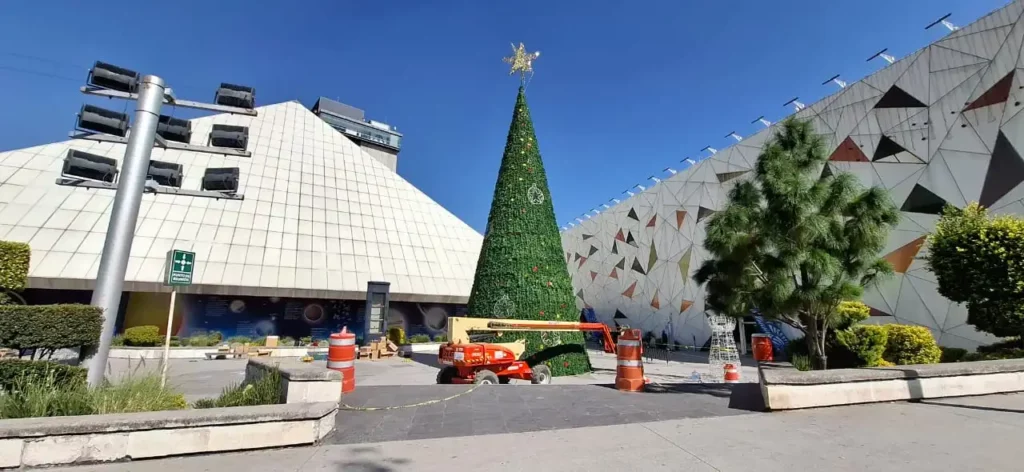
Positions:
(629, 374)
(732, 374)
(762, 347)
(341, 356)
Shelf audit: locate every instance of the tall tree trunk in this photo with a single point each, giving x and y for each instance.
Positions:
(815, 339)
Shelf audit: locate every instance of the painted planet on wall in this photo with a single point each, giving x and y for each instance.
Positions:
(436, 318)
(237, 306)
(313, 313)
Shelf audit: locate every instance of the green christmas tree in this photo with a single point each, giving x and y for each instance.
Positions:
(521, 273)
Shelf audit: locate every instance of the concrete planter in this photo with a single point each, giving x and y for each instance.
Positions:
(126, 352)
(785, 388)
(405, 350)
(301, 382)
(39, 442)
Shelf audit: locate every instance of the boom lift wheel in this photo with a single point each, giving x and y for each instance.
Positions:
(541, 375)
(446, 374)
(485, 377)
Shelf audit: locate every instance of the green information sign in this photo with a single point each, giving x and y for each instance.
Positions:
(180, 265)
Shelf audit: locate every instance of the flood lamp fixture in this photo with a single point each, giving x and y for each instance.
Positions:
(83, 165)
(229, 136)
(174, 129)
(101, 120)
(109, 76)
(235, 96)
(221, 179)
(165, 173)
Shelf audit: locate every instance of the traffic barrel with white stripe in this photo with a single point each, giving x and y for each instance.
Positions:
(732, 374)
(629, 374)
(341, 356)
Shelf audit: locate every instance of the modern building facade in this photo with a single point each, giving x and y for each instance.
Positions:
(378, 139)
(942, 125)
(320, 219)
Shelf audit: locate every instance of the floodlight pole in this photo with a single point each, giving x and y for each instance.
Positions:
(121, 229)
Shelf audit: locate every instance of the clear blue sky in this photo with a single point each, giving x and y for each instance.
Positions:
(622, 89)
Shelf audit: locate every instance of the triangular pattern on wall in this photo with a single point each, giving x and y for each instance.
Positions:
(680, 218)
(579, 294)
(922, 200)
(621, 264)
(826, 171)
(632, 214)
(1005, 171)
(887, 148)
(619, 236)
(619, 316)
(727, 176)
(896, 97)
(587, 236)
(902, 257)
(654, 301)
(614, 274)
(650, 224)
(848, 151)
(703, 213)
(568, 256)
(637, 267)
(652, 258)
(593, 250)
(998, 93)
(577, 257)
(593, 275)
(628, 293)
(615, 247)
(630, 240)
(684, 265)
(583, 260)
(685, 305)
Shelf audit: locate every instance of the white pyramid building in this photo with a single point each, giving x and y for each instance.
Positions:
(319, 219)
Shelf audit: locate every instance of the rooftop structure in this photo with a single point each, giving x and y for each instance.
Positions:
(376, 138)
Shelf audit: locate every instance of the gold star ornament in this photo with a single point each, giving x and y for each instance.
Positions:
(521, 61)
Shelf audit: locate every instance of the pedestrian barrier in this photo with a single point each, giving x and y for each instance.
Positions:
(732, 374)
(629, 374)
(341, 356)
(763, 351)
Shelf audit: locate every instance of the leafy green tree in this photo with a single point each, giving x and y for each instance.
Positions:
(521, 273)
(794, 243)
(979, 260)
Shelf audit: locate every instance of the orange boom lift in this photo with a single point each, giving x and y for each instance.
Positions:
(466, 361)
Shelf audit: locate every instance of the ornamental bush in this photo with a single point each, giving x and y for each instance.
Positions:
(908, 345)
(396, 335)
(18, 371)
(14, 262)
(866, 342)
(849, 313)
(49, 327)
(978, 260)
(143, 336)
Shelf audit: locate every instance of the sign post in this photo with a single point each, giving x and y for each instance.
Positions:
(180, 266)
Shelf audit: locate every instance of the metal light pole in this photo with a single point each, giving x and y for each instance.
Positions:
(121, 230)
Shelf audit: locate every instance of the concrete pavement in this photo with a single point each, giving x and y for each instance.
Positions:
(977, 433)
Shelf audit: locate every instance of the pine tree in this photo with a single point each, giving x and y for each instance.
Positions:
(521, 273)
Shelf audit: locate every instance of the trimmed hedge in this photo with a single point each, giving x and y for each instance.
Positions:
(911, 345)
(49, 327)
(867, 342)
(143, 336)
(17, 371)
(14, 261)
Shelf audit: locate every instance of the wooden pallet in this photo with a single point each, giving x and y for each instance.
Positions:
(379, 349)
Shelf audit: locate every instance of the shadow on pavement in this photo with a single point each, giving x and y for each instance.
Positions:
(427, 359)
(367, 459)
(969, 407)
(742, 396)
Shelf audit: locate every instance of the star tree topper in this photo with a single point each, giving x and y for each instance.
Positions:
(521, 61)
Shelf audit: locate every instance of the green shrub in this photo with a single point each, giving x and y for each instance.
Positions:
(13, 371)
(265, 390)
(260, 341)
(440, 338)
(396, 334)
(911, 345)
(849, 313)
(239, 340)
(1004, 345)
(286, 341)
(952, 354)
(203, 340)
(216, 336)
(49, 327)
(866, 342)
(143, 336)
(14, 263)
(117, 340)
(419, 338)
(175, 341)
(801, 362)
(49, 396)
(305, 341)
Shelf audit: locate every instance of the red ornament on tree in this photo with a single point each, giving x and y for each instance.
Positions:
(549, 283)
(565, 364)
(542, 312)
(535, 268)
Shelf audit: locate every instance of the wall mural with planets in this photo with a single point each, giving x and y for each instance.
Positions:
(298, 317)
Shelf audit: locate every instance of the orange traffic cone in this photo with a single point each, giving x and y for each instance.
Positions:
(732, 374)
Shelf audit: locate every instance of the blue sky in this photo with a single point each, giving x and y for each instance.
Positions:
(622, 89)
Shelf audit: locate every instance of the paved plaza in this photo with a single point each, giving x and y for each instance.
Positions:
(975, 433)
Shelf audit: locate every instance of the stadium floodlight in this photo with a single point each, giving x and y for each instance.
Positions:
(883, 55)
(670, 170)
(165, 173)
(83, 165)
(835, 79)
(944, 22)
(616, 200)
(710, 149)
(174, 129)
(229, 136)
(235, 96)
(101, 120)
(111, 77)
(763, 121)
(655, 179)
(733, 135)
(796, 104)
(221, 179)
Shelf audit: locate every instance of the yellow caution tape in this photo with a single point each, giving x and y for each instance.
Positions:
(345, 406)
